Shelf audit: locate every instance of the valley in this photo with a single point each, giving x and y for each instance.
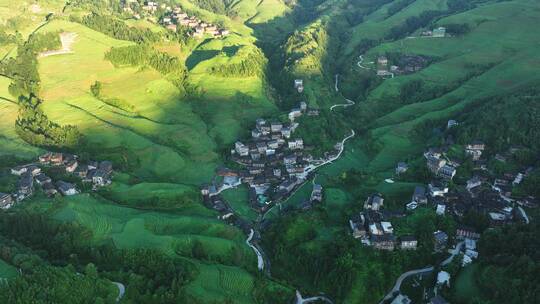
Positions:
(383, 98)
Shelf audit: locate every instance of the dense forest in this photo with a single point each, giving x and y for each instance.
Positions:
(510, 263)
(144, 55)
(504, 121)
(246, 62)
(151, 276)
(118, 29)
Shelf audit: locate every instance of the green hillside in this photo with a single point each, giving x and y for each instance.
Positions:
(106, 80)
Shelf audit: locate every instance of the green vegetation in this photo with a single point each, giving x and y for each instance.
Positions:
(507, 268)
(118, 29)
(165, 108)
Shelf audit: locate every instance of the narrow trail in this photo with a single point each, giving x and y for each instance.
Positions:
(121, 290)
(349, 102)
(405, 275)
(360, 61)
(300, 300)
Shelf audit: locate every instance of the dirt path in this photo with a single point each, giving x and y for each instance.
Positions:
(349, 102)
(67, 40)
(300, 300)
(360, 61)
(121, 290)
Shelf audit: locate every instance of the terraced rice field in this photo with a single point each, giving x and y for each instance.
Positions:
(213, 280)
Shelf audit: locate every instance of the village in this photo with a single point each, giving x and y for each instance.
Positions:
(172, 17)
(274, 163)
(96, 174)
(484, 193)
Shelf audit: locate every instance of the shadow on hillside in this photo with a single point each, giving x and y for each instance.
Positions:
(198, 56)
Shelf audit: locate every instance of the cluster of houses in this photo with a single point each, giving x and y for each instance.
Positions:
(172, 17)
(439, 165)
(439, 32)
(484, 192)
(30, 175)
(406, 64)
(175, 17)
(374, 228)
(274, 163)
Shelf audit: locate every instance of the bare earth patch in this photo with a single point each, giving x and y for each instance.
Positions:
(67, 40)
(35, 8)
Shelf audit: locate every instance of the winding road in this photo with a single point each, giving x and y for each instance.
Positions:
(399, 281)
(300, 300)
(310, 168)
(121, 290)
(360, 61)
(349, 102)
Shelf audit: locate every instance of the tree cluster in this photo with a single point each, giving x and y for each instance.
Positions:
(116, 28)
(144, 55)
(32, 124)
(149, 275)
(247, 62)
(510, 263)
(41, 282)
(121, 104)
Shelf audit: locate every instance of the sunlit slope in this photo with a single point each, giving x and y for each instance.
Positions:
(377, 24)
(161, 138)
(497, 57)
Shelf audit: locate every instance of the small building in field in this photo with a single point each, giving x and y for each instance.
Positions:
(451, 123)
(42, 179)
(296, 144)
(434, 163)
(316, 193)
(19, 170)
(437, 188)
(419, 195)
(294, 113)
(441, 209)
(100, 178)
(401, 168)
(25, 185)
(440, 239)
(383, 242)
(66, 188)
(276, 127)
(475, 149)
(408, 242)
(439, 32)
(401, 299)
(57, 159)
(474, 182)
(6, 201)
(463, 233)
(357, 224)
(447, 172)
(71, 166)
(49, 189)
(45, 158)
(443, 278)
(374, 202)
